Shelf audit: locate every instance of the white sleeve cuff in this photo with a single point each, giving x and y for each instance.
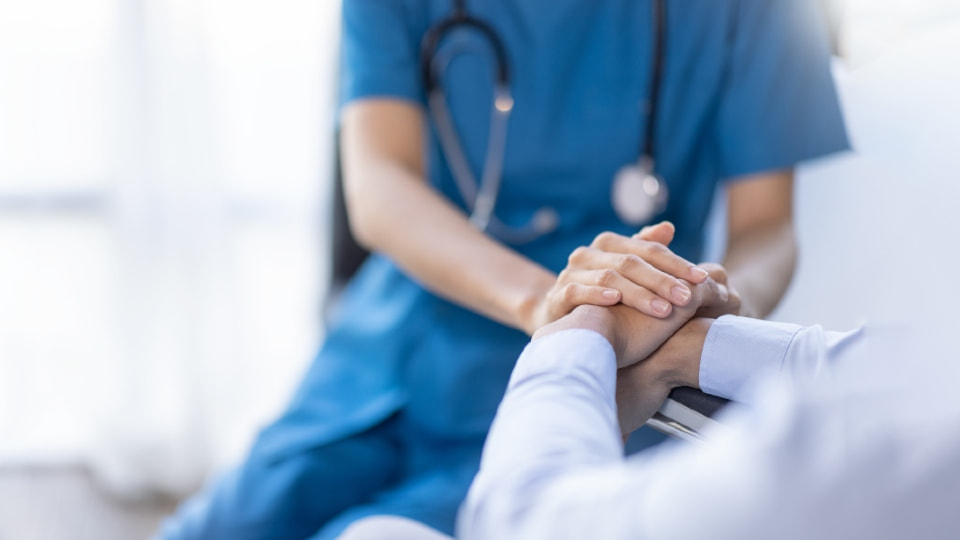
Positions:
(738, 350)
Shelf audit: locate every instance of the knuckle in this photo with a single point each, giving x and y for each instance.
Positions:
(577, 255)
(606, 277)
(629, 262)
(654, 249)
(555, 293)
(569, 292)
(603, 238)
(666, 284)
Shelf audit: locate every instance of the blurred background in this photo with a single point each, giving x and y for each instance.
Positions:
(164, 190)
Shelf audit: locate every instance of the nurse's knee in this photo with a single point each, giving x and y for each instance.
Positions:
(389, 528)
(294, 494)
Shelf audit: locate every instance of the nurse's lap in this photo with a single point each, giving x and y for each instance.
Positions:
(291, 497)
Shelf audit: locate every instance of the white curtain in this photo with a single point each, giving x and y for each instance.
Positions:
(163, 171)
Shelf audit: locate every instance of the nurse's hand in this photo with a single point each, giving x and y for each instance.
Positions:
(663, 233)
(640, 272)
(635, 335)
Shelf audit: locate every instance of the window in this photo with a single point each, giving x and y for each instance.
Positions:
(162, 175)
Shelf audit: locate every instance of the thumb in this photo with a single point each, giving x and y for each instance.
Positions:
(661, 233)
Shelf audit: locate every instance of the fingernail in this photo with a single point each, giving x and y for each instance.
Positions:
(660, 306)
(680, 294)
(611, 294)
(698, 273)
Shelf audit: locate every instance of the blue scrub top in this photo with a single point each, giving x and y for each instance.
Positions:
(746, 88)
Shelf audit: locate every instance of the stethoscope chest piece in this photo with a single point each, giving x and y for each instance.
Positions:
(638, 194)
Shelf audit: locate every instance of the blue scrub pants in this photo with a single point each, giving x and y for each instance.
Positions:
(390, 469)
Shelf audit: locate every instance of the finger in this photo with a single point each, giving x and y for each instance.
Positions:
(717, 272)
(574, 294)
(636, 270)
(631, 294)
(653, 253)
(661, 233)
(710, 293)
(730, 307)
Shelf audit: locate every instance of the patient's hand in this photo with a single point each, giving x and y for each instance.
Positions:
(643, 387)
(640, 335)
(732, 305)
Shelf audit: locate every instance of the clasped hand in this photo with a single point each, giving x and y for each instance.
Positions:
(639, 272)
(651, 291)
(636, 324)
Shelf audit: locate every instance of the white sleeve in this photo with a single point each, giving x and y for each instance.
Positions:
(557, 417)
(741, 350)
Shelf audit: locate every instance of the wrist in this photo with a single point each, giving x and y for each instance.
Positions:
(529, 312)
(530, 307)
(680, 355)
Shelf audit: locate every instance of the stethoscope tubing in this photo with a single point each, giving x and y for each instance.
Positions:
(480, 203)
(480, 197)
(659, 17)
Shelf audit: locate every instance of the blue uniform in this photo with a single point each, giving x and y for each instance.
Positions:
(391, 416)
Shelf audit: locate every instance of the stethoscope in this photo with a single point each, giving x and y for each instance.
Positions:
(638, 193)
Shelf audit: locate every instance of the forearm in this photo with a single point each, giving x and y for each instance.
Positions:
(394, 210)
(760, 265)
(761, 249)
(725, 357)
(435, 244)
(558, 416)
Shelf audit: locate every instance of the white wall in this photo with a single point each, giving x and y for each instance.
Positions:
(879, 229)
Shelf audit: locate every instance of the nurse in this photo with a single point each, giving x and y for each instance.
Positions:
(391, 416)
